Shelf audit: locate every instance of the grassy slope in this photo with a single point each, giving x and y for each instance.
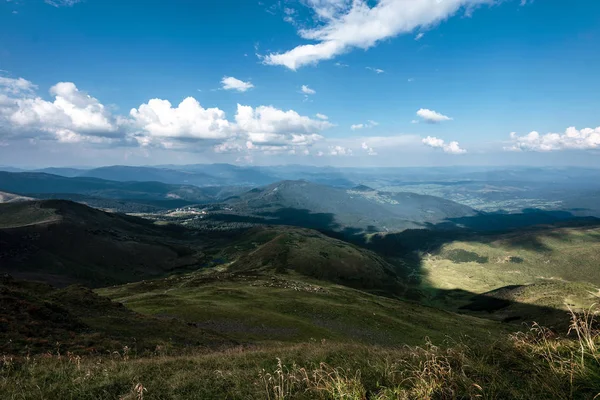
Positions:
(545, 267)
(63, 243)
(512, 368)
(567, 254)
(290, 308)
(18, 214)
(314, 255)
(37, 318)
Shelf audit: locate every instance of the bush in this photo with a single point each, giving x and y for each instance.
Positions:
(463, 256)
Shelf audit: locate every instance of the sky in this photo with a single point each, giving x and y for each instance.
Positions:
(318, 82)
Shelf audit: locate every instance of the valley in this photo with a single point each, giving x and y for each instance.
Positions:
(332, 281)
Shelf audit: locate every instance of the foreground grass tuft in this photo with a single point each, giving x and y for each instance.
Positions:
(537, 363)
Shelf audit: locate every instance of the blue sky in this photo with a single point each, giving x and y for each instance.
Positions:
(401, 82)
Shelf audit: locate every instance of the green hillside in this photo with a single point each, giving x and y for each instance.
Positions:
(37, 318)
(312, 254)
(307, 204)
(62, 243)
(265, 307)
(549, 267)
(282, 313)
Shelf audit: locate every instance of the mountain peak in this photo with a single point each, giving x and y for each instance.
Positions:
(363, 188)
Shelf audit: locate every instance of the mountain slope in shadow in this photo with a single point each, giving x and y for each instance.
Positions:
(356, 209)
(314, 255)
(63, 242)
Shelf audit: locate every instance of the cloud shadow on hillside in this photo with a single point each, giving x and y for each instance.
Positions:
(405, 250)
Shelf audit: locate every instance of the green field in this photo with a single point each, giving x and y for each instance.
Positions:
(290, 313)
(255, 307)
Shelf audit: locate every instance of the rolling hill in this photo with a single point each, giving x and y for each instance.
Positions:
(45, 184)
(6, 197)
(151, 174)
(506, 276)
(271, 302)
(37, 317)
(307, 204)
(314, 255)
(63, 242)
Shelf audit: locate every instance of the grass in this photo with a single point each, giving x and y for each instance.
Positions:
(289, 307)
(528, 365)
(37, 318)
(14, 215)
(314, 255)
(569, 254)
(557, 265)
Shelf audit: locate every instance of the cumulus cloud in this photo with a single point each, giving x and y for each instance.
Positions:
(419, 36)
(376, 70)
(73, 116)
(350, 24)
(370, 151)
(571, 139)
(450, 148)
(432, 117)
(264, 128)
(231, 83)
(158, 120)
(306, 90)
(16, 86)
(322, 116)
(269, 130)
(340, 151)
(269, 126)
(369, 124)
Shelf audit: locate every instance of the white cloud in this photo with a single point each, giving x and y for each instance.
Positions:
(450, 148)
(73, 116)
(340, 151)
(350, 24)
(419, 36)
(16, 86)
(369, 124)
(306, 90)
(341, 65)
(376, 70)
(368, 149)
(159, 120)
(231, 83)
(432, 117)
(270, 129)
(364, 146)
(62, 3)
(572, 139)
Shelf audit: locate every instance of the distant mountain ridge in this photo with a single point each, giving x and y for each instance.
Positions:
(95, 190)
(308, 204)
